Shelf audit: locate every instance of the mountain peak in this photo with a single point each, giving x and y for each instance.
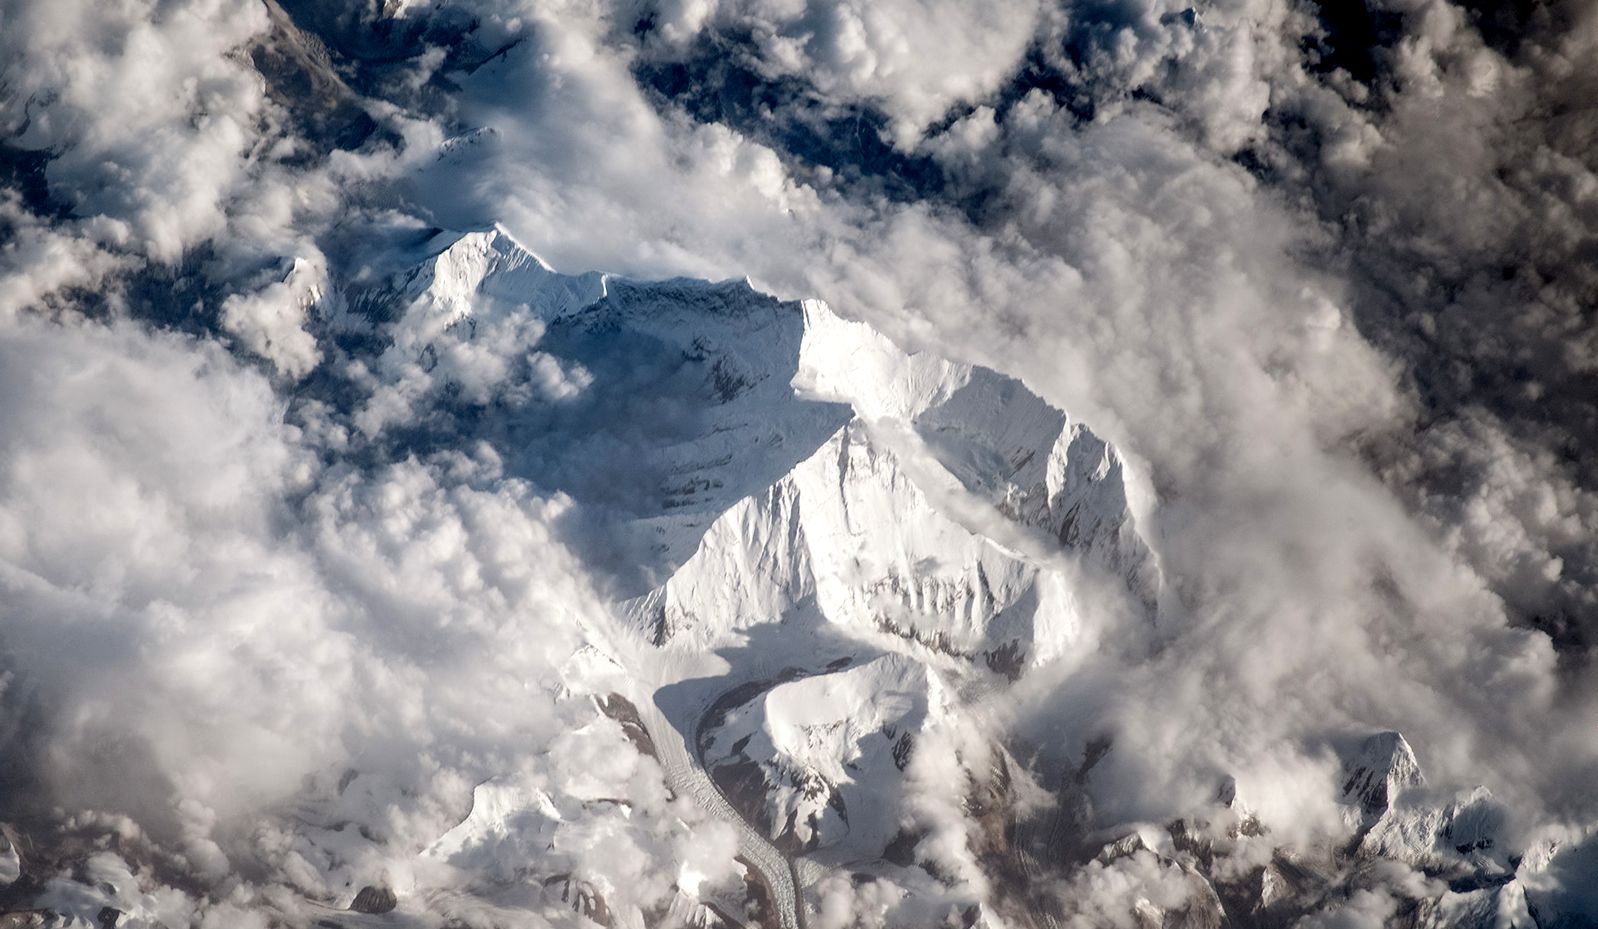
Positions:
(1385, 765)
(466, 268)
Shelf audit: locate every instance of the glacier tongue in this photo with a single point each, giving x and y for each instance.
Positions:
(820, 757)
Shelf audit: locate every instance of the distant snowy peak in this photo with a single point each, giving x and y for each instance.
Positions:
(466, 269)
(1461, 839)
(1384, 767)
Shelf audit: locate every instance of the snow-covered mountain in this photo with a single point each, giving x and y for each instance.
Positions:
(754, 454)
(1143, 481)
(852, 533)
(823, 557)
(822, 548)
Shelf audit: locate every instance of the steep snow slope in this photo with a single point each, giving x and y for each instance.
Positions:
(654, 405)
(848, 538)
(1002, 442)
(895, 523)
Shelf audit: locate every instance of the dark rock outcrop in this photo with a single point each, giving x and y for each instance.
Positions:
(374, 900)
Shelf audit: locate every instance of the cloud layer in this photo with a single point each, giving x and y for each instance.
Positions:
(1327, 288)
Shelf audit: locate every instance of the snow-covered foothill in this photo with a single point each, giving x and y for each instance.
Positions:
(826, 752)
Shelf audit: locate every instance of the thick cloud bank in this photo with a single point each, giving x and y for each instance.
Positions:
(320, 517)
